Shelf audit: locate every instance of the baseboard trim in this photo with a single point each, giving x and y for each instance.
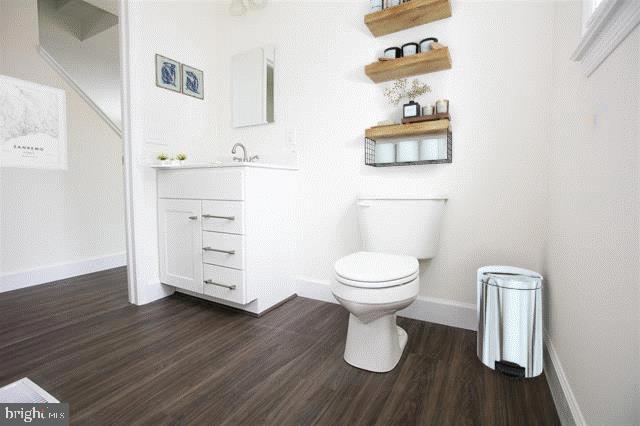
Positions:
(59, 271)
(443, 311)
(153, 291)
(314, 289)
(563, 397)
(430, 309)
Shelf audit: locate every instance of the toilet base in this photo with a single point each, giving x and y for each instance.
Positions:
(375, 346)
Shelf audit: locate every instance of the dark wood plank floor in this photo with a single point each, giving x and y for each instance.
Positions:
(181, 360)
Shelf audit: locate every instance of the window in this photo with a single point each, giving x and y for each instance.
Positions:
(605, 24)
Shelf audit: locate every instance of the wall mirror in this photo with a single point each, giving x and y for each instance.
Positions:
(252, 76)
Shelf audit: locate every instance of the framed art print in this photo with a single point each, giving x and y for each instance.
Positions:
(168, 74)
(192, 82)
(33, 125)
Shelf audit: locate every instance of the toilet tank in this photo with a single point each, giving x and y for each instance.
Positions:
(408, 226)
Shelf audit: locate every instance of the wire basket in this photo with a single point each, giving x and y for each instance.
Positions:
(370, 154)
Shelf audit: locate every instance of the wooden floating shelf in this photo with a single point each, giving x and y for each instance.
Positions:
(401, 130)
(407, 15)
(421, 63)
(421, 118)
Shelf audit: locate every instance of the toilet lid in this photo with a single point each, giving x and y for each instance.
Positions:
(376, 270)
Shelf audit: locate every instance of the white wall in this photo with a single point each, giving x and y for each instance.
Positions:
(323, 95)
(162, 120)
(591, 261)
(58, 217)
(1, 44)
(496, 183)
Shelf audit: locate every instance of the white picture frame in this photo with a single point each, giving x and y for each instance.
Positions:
(192, 82)
(33, 125)
(168, 74)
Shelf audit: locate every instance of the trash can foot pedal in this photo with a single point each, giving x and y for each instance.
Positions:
(509, 368)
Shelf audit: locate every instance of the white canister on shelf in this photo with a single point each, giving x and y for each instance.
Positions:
(385, 153)
(442, 106)
(425, 44)
(375, 5)
(409, 49)
(407, 151)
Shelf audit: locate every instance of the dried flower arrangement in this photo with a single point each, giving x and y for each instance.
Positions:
(400, 90)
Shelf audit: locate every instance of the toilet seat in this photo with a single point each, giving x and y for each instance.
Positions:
(376, 270)
(374, 285)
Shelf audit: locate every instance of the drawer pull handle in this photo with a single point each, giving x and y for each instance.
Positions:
(193, 217)
(230, 287)
(218, 250)
(212, 216)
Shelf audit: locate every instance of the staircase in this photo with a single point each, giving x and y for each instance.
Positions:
(80, 40)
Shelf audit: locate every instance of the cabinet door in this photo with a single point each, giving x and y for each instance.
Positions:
(180, 241)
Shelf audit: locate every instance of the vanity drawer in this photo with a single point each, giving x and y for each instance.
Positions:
(202, 184)
(223, 249)
(223, 216)
(224, 283)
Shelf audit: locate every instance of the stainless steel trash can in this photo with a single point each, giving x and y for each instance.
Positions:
(510, 320)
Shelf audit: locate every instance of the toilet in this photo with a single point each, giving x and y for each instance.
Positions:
(384, 278)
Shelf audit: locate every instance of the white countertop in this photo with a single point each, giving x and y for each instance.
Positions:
(257, 165)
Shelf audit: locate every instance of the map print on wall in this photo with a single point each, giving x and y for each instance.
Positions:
(33, 125)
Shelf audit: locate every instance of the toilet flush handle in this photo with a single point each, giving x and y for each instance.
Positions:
(363, 204)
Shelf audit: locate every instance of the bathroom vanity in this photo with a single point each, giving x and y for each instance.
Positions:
(227, 232)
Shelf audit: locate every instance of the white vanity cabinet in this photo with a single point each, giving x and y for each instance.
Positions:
(228, 233)
(180, 241)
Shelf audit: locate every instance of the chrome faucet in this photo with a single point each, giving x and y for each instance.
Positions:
(245, 158)
(244, 152)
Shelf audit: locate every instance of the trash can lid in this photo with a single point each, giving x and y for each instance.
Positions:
(512, 281)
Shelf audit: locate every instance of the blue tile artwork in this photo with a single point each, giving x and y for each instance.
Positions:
(168, 74)
(177, 77)
(192, 82)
